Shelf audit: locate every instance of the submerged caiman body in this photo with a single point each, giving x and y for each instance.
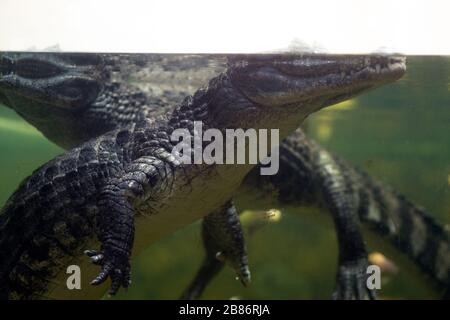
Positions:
(325, 180)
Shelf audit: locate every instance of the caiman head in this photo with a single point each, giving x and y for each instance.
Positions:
(49, 90)
(61, 79)
(280, 90)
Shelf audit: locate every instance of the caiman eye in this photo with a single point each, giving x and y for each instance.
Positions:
(78, 90)
(36, 69)
(71, 92)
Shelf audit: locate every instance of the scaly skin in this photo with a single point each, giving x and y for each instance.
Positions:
(273, 99)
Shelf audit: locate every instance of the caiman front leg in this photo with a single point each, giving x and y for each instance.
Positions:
(115, 221)
(342, 202)
(223, 241)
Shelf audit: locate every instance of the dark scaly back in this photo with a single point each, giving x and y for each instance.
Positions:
(139, 87)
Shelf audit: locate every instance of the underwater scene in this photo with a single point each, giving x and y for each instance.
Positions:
(398, 134)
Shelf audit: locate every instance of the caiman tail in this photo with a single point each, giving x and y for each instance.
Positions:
(409, 228)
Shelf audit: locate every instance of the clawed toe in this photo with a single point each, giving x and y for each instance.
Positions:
(115, 266)
(96, 257)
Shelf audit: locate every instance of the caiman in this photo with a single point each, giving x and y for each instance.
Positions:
(90, 99)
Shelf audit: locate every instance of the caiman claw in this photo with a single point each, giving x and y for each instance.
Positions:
(115, 264)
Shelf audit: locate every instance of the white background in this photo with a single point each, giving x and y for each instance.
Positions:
(406, 26)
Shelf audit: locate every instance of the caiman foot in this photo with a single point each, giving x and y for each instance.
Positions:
(223, 241)
(115, 264)
(352, 282)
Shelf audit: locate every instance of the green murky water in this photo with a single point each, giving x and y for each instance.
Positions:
(399, 133)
